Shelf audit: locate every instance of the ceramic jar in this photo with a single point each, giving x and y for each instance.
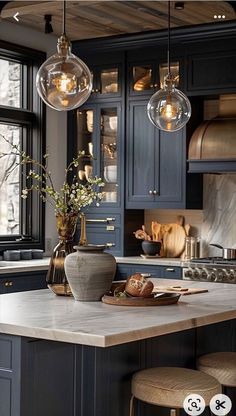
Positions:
(151, 248)
(90, 272)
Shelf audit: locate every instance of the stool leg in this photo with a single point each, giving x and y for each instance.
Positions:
(131, 406)
(175, 412)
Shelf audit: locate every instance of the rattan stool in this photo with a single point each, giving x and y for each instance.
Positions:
(168, 387)
(221, 365)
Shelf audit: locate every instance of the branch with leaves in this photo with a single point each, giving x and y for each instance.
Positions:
(71, 197)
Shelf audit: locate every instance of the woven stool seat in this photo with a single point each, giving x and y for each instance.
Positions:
(168, 386)
(221, 365)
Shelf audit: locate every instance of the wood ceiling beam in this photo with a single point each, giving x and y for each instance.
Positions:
(24, 8)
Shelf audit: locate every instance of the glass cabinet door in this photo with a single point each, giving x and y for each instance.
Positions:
(141, 78)
(85, 141)
(109, 153)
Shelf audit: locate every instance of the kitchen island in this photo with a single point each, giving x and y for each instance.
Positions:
(65, 358)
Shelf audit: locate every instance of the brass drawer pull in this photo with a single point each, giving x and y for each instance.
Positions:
(170, 270)
(110, 245)
(7, 284)
(103, 221)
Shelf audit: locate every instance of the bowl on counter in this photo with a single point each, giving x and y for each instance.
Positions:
(110, 173)
(151, 248)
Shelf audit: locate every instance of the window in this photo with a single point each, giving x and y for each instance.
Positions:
(21, 124)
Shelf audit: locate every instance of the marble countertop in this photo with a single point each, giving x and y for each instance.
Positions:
(23, 265)
(41, 314)
(34, 265)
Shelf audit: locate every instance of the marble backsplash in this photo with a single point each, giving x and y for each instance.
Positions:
(216, 223)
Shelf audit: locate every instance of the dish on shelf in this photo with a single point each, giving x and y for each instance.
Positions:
(109, 196)
(113, 87)
(110, 173)
(89, 114)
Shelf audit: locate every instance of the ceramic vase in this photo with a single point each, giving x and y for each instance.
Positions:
(56, 277)
(90, 272)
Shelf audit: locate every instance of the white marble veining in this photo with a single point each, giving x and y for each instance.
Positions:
(24, 265)
(41, 314)
(219, 225)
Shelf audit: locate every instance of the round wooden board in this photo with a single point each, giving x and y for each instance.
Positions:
(167, 299)
(174, 241)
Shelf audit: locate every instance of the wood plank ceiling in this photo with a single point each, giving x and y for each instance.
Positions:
(97, 18)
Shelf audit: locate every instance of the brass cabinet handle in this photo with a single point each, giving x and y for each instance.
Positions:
(97, 90)
(155, 85)
(93, 90)
(151, 85)
(7, 284)
(110, 244)
(150, 192)
(170, 270)
(155, 192)
(100, 220)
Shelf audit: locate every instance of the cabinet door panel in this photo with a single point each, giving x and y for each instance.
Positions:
(141, 157)
(5, 396)
(209, 71)
(172, 167)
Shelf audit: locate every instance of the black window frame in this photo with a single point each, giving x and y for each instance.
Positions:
(32, 118)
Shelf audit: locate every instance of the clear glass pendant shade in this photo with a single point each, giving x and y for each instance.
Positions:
(64, 82)
(169, 109)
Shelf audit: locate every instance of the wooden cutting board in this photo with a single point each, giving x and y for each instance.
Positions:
(174, 238)
(178, 289)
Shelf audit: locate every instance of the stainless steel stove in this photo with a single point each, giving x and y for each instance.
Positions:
(210, 269)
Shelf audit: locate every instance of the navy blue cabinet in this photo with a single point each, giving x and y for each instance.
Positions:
(156, 163)
(125, 270)
(19, 282)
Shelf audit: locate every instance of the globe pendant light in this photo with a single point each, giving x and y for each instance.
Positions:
(169, 109)
(64, 82)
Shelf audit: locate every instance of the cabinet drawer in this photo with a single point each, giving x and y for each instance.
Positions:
(23, 282)
(100, 235)
(172, 272)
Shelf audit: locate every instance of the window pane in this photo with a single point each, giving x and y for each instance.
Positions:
(10, 83)
(9, 185)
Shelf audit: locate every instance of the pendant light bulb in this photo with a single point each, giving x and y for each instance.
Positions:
(169, 109)
(64, 81)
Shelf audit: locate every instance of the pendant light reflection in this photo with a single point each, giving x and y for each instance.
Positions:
(64, 81)
(169, 109)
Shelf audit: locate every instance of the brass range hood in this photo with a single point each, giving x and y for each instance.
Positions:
(212, 148)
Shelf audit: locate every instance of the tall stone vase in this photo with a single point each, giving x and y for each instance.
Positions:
(90, 272)
(56, 277)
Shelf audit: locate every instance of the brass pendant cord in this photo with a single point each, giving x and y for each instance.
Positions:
(168, 48)
(64, 18)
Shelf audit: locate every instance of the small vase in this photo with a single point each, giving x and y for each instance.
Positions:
(56, 277)
(90, 272)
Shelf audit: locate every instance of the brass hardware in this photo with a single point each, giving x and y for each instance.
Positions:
(150, 192)
(10, 283)
(151, 85)
(155, 85)
(155, 192)
(170, 270)
(110, 228)
(93, 90)
(6, 284)
(97, 90)
(110, 244)
(83, 239)
(103, 221)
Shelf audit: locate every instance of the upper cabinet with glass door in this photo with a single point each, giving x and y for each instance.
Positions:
(98, 128)
(146, 78)
(106, 81)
